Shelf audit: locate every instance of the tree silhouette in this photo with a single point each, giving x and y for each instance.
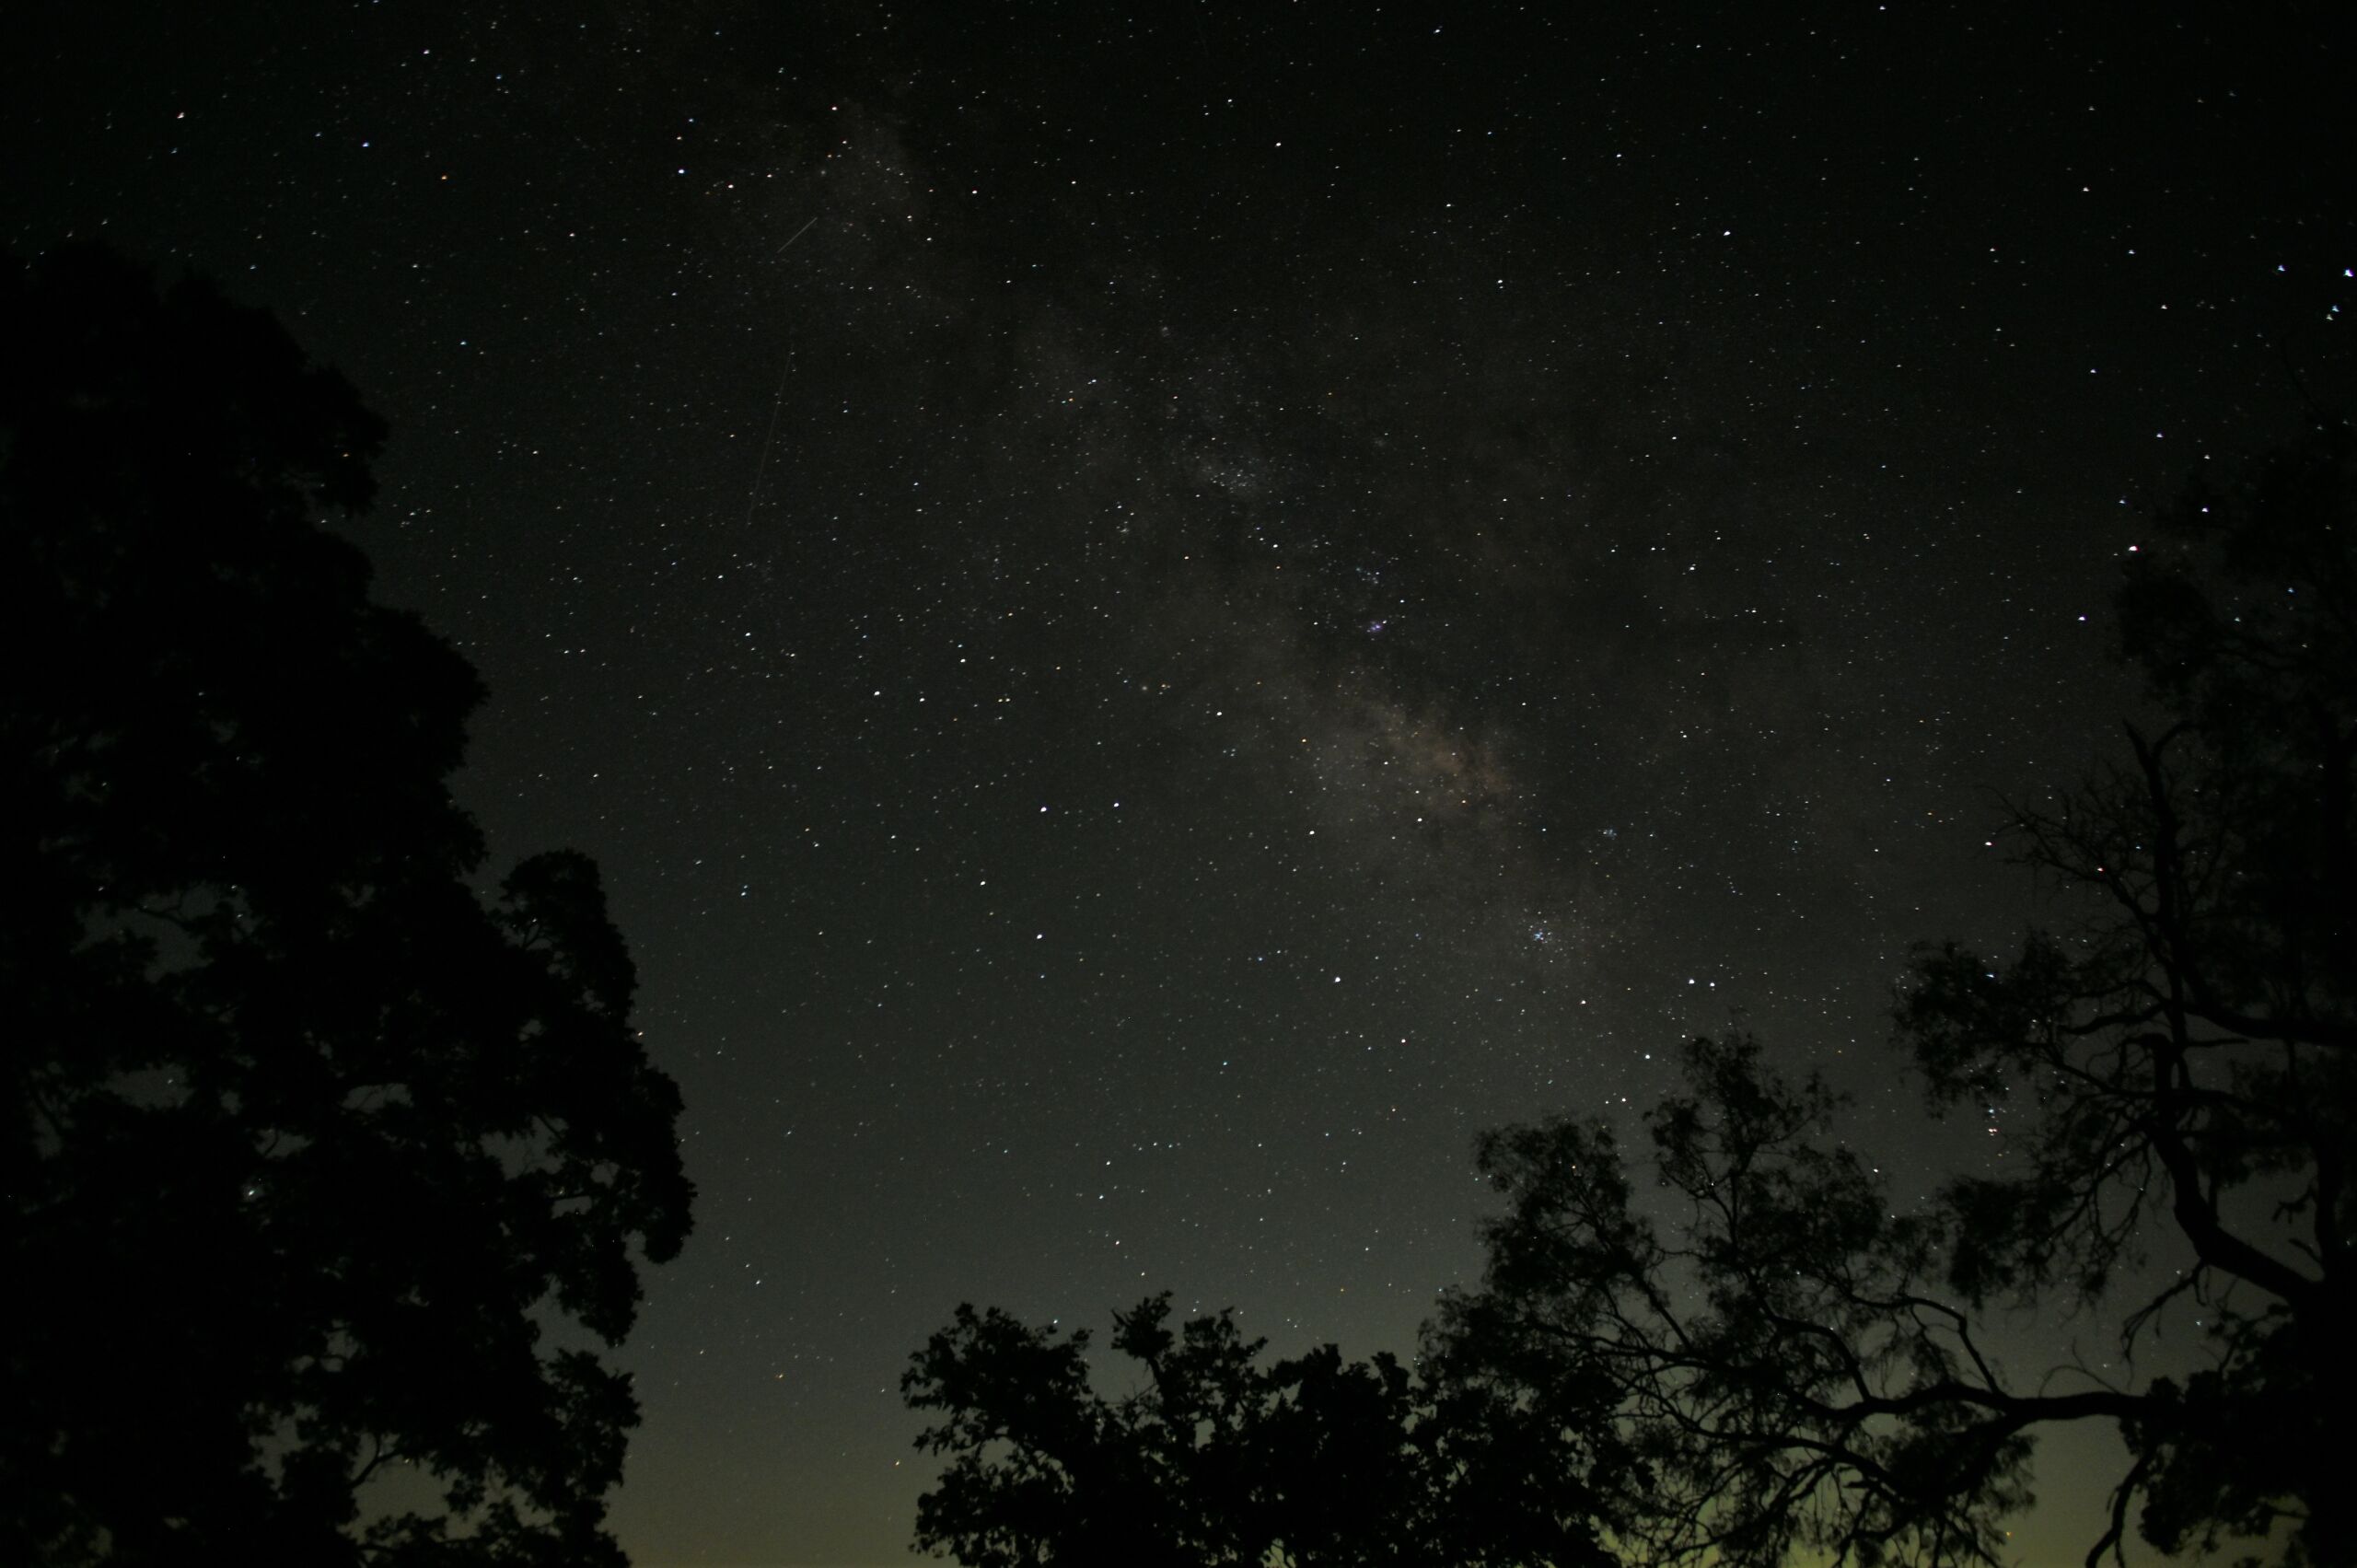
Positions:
(1777, 1350)
(308, 1144)
(1760, 1361)
(1217, 1460)
(1801, 1368)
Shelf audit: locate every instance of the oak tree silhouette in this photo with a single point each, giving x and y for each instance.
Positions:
(309, 1144)
(1219, 1459)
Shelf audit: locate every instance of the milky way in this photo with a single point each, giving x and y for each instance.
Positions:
(1153, 626)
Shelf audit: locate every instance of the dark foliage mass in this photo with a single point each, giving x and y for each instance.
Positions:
(305, 1140)
(1758, 1361)
(2174, 1055)
(1218, 1461)
(2189, 1041)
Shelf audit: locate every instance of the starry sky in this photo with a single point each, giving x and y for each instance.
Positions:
(1157, 615)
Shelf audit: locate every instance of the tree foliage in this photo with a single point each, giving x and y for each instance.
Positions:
(2190, 1042)
(1804, 1369)
(1219, 1461)
(305, 1139)
(1772, 1335)
(1734, 1350)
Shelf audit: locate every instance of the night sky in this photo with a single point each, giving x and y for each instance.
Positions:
(1156, 618)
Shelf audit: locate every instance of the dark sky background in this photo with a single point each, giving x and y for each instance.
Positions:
(1156, 617)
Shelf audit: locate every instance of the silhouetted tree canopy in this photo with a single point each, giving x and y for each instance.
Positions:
(1805, 1370)
(1217, 1460)
(308, 1144)
(1734, 1350)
